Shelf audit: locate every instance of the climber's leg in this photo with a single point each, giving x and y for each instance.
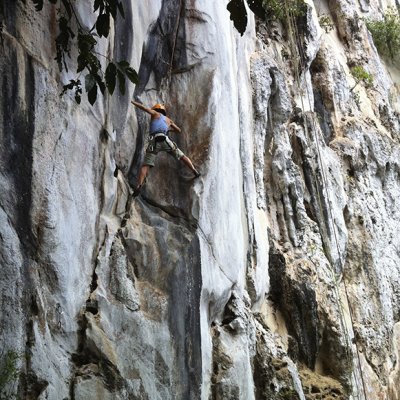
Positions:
(186, 160)
(149, 160)
(179, 155)
(142, 176)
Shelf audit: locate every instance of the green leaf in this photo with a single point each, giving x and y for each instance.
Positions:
(112, 8)
(102, 87)
(92, 95)
(86, 42)
(9, 371)
(103, 25)
(90, 82)
(63, 42)
(94, 62)
(238, 14)
(78, 92)
(69, 86)
(386, 34)
(82, 62)
(257, 7)
(132, 75)
(125, 69)
(99, 82)
(111, 77)
(121, 82)
(97, 4)
(123, 64)
(277, 9)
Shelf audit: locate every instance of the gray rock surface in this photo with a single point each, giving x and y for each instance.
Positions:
(275, 275)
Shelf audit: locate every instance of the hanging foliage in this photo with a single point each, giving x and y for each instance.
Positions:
(71, 33)
(386, 34)
(265, 10)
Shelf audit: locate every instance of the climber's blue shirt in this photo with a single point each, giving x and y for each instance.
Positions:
(159, 125)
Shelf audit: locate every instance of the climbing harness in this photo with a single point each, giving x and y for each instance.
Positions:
(296, 51)
(161, 136)
(170, 143)
(157, 137)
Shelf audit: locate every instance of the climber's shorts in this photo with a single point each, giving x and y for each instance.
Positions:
(155, 147)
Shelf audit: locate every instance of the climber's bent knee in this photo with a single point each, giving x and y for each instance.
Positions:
(177, 153)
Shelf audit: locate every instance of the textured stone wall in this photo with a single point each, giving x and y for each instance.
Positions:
(273, 276)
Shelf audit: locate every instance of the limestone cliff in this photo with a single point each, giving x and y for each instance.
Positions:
(276, 275)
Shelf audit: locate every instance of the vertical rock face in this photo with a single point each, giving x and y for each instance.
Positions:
(273, 276)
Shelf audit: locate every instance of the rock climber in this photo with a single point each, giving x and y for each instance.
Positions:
(160, 124)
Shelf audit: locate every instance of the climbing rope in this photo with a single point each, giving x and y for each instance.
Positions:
(166, 81)
(297, 51)
(166, 84)
(178, 21)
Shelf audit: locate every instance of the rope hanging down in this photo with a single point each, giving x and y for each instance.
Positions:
(298, 53)
(166, 84)
(174, 44)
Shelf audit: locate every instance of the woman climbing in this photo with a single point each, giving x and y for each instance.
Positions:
(160, 125)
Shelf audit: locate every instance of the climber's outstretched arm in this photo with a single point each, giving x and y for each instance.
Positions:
(142, 107)
(175, 127)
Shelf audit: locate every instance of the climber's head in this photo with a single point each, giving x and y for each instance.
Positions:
(159, 108)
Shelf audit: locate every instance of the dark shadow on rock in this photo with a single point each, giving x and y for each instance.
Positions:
(123, 45)
(297, 303)
(184, 320)
(8, 10)
(165, 46)
(170, 263)
(18, 127)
